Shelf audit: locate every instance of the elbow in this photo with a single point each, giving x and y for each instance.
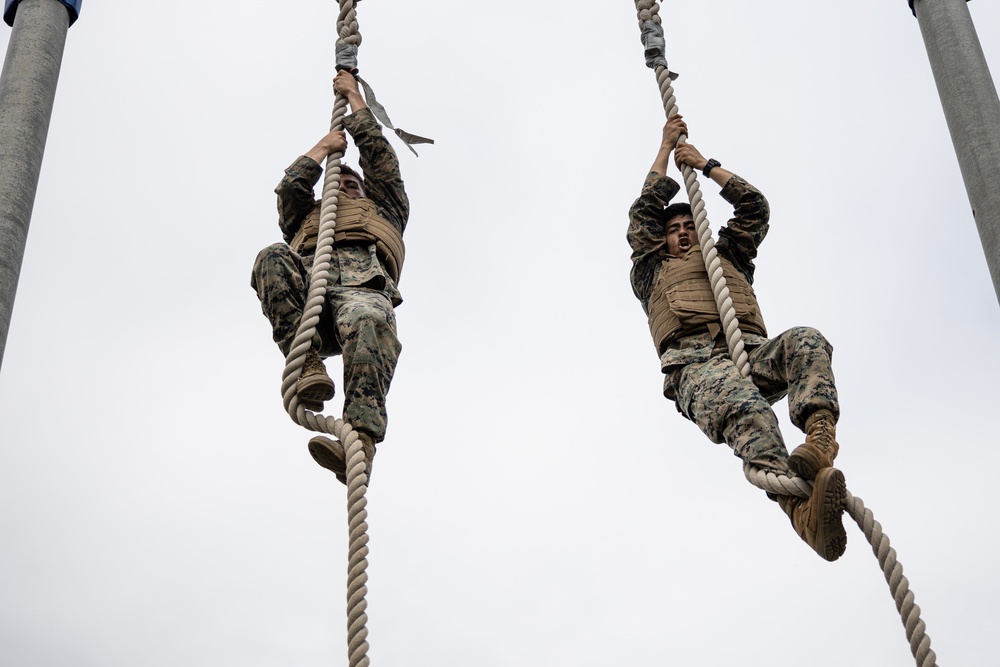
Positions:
(765, 208)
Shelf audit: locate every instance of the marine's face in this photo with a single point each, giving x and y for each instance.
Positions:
(351, 185)
(681, 234)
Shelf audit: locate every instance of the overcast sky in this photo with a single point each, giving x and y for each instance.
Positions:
(537, 501)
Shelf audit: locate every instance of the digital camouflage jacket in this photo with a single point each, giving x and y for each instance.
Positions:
(737, 241)
(353, 264)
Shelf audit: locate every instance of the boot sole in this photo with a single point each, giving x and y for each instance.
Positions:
(831, 538)
(806, 462)
(328, 455)
(315, 389)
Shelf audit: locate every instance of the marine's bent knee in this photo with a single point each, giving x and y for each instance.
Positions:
(275, 252)
(371, 321)
(805, 332)
(277, 263)
(808, 337)
(368, 315)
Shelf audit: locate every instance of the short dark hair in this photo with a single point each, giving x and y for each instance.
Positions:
(674, 210)
(346, 169)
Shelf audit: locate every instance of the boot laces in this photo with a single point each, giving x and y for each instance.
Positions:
(822, 434)
(313, 364)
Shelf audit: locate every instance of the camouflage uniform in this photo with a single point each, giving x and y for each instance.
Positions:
(358, 320)
(700, 375)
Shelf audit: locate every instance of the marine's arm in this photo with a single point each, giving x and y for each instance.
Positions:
(672, 131)
(383, 181)
(335, 141)
(295, 191)
(739, 239)
(646, 231)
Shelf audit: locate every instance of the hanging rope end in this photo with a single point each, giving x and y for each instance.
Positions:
(410, 139)
(380, 113)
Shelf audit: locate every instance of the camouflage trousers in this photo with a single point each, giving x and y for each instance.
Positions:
(357, 322)
(730, 408)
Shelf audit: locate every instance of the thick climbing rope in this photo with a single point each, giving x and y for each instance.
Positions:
(349, 38)
(920, 644)
(652, 36)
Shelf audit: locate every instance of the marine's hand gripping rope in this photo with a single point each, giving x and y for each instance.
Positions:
(357, 633)
(649, 25)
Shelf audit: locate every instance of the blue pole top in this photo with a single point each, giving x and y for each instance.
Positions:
(72, 6)
(914, 10)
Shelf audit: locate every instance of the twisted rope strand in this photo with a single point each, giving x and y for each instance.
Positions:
(892, 569)
(899, 585)
(648, 10)
(347, 24)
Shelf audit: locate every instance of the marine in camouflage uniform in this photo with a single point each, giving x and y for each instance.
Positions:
(358, 319)
(700, 376)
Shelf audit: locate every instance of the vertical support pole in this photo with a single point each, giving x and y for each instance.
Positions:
(27, 92)
(971, 109)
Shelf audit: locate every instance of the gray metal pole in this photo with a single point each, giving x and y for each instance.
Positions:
(27, 92)
(971, 109)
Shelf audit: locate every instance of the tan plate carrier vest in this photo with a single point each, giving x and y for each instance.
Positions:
(682, 303)
(357, 220)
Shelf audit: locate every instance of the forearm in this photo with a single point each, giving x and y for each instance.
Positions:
(318, 154)
(687, 154)
(720, 176)
(662, 160)
(673, 131)
(356, 101)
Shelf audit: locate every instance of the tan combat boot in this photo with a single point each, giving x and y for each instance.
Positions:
(314, 385)
(820, 447)
(819, 519)
(330, 454)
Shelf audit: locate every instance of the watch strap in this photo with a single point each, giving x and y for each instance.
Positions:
(709, 166)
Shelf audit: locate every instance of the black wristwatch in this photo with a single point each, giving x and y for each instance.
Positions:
(709, 166)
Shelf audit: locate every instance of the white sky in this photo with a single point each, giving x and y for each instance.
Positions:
(537, 502)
